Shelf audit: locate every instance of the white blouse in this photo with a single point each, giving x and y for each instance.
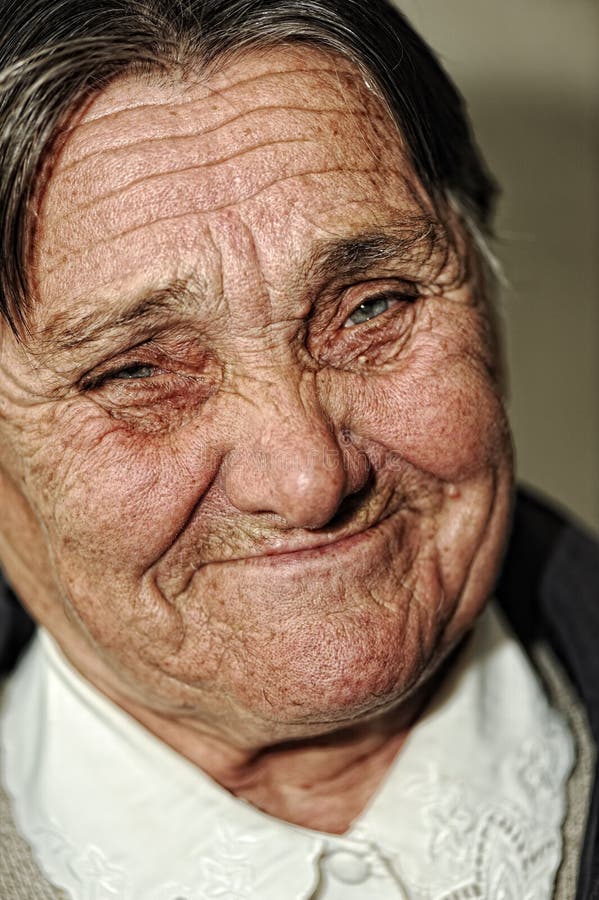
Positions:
(472, 807)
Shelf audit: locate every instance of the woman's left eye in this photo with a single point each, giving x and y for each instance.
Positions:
(369, 309)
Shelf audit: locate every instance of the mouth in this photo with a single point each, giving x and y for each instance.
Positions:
(314, 547)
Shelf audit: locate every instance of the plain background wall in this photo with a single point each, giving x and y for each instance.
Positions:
(529, 70)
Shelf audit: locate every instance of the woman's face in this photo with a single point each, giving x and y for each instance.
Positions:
(255, 460)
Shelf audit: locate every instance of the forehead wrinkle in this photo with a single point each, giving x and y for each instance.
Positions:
(118, 146)
(180, 170)
(82, 130)
(90, 119)
(68, 331)
(215, 207)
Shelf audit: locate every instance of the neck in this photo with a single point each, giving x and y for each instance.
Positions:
(322, 783)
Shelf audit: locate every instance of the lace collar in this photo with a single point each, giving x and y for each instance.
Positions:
(472, 806)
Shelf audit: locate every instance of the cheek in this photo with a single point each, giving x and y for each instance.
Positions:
(112, 497)
(446, 419)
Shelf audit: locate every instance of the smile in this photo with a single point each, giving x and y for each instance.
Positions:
(324, 551)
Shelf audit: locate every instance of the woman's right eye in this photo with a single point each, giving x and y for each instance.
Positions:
(135, 370)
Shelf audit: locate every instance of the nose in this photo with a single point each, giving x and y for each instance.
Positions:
(287, 460)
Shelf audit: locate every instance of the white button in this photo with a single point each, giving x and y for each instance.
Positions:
(348, 867)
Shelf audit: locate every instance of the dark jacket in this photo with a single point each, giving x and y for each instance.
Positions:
(549, 590)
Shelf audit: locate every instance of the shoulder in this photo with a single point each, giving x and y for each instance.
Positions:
(16, 628)
(20, 876)
(549, 590)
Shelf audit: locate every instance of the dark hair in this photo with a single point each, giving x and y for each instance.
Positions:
(55, 53)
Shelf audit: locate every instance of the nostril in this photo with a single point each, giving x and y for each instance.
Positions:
(345, 437)
(350, 505)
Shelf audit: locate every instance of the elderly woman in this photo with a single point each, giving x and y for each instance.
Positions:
(256, 475)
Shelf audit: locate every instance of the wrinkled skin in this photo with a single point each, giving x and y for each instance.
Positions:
(257, 479)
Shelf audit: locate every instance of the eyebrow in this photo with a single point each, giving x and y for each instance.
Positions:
(414, 239)
(65, 332)
(330, 259)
